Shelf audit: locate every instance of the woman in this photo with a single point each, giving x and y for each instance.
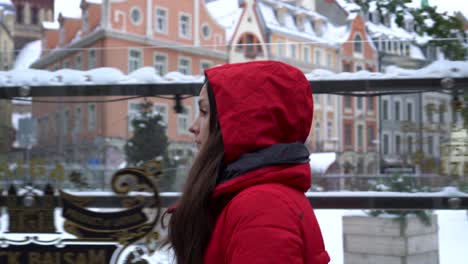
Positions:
(244, 198)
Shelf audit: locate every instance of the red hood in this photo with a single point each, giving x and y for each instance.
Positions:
(260, 104)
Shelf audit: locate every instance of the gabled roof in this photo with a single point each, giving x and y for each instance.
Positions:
(226, 13)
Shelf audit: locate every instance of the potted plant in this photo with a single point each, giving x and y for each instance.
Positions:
(391, 236)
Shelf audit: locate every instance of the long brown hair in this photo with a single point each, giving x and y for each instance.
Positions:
(192, 222)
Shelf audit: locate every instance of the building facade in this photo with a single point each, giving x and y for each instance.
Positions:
(164, 35)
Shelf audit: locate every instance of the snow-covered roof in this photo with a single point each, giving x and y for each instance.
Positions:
(226, 13)
(320, 162)
(29, 54)
(349, 7)
(94, 1)
(289, 27)
(50, 25)
(147, 75)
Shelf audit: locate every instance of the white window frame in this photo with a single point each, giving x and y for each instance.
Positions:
(92, 59)
(78, 61)
(140, 62)
(329, 60)
(140, 20)
(361, 43)
(189, 26)
(413, 112)
(165, 115)
(306, 55)
(389, 146)
(92, 116)
(363, 136)
(400, 112)
(402, 145)
(203, 26)
(318, 57)
(388, 108)
(131, 114)
(156, 64)
(292, 50)
(206, 62)
(180, 116)
(189, 70)
(166, 20)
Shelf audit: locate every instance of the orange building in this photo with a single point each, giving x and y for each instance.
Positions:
(126, 35)
(359, 114)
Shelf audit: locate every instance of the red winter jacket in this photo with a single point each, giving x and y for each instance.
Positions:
(264, 216)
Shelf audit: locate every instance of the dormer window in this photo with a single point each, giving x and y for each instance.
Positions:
(409, 25)
(280, 13)
(300, 18)
(318, 27)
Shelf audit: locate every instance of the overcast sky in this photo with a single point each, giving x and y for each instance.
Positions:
(72, 7)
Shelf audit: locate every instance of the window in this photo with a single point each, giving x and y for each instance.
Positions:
(134, 109)
(385, 110)
(35, 16)
(398, 144)
(358, 68)
(347, 67)
(135, 15)
(442, 113)
(293, 51)
(306, 54)
(204, 65)
(249, 44)
(430, 145)
(160, 109)
(161, 20)
(318, 57)
(185, 66)
(370, 103)
(78, 119)
(66, 119)
(370, 135)
(78, 63)
(347, 101)
(409, 112)
(357, 44)
(183, 122)
(359, 103)
(135, 60)
(206, 31)
(385, 145)
(329, 129)
(397, 111)
(410, 145)
(407, 50)
(348, 134)
(92, 61)
(184, 26)
(19, 14)
(360, 131)
(160, 63)
(329, 60)
(281, 49)
(91, 116)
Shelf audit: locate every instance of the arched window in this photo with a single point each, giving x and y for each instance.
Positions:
(249, 44)
(358, 44)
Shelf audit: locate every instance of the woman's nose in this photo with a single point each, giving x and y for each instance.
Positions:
(193, 128)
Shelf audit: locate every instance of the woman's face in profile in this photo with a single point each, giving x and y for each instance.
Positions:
(200, 128)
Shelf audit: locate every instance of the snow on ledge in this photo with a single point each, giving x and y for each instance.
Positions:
(148, 75)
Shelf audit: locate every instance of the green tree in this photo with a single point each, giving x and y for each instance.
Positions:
(149, 142)
(428, 22)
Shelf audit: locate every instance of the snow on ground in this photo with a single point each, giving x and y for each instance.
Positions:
(453, 239)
